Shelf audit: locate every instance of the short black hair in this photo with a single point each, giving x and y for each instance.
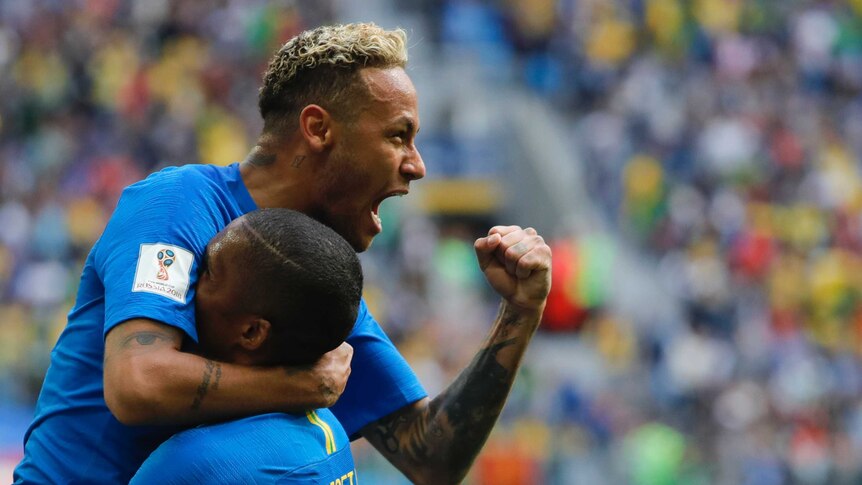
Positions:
(304, 278)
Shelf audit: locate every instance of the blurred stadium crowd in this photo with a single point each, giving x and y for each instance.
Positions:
(720, 138)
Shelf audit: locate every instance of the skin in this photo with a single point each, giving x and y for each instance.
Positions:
(436, 441)
(430, 441)
(338, 171)
(149, 380)
(224, 376)
(226, 331)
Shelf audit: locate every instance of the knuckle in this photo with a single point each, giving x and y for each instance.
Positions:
(514, 250)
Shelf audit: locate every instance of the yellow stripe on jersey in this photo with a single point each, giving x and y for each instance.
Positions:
(327, 431)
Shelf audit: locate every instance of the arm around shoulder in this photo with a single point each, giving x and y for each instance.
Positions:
(148, 380)
(137, 354)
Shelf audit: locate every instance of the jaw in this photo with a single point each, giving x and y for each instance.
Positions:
(356, 229)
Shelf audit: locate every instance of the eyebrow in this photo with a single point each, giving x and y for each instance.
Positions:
(411, 125)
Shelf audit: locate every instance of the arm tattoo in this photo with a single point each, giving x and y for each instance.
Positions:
(147, 338)
(204, 387)
(485, 383)
(509, 322)
(390, 433)
(261, 159)
(437, 441)
(453, 427)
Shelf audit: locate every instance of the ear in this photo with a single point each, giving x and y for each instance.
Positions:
(255, 332)
(316, 127)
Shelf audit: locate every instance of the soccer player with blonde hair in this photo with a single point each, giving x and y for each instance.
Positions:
(340, 120)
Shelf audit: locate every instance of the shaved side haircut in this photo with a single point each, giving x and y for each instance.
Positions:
(321, 66)
(301, 276)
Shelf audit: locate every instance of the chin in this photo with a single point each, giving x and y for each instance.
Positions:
(360, 244)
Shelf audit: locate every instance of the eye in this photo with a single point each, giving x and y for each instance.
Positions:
(401, 134)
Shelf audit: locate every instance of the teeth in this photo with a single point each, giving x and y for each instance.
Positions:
(377, 219)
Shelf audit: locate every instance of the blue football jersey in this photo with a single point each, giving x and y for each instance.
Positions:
(268, 449)
(145, 265)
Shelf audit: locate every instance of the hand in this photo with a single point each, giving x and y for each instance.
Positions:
(331, 373)
(517, 264)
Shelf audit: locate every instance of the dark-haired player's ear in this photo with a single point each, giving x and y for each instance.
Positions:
(255, 332)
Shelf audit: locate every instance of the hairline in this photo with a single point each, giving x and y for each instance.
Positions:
(343, 50)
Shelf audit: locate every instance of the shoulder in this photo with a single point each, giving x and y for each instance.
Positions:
(269, 448)
(172, 195)
(182, 206)
(276, 440)
(179, 177)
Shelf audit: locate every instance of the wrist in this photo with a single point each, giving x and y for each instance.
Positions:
(514, 310)
(300, 388)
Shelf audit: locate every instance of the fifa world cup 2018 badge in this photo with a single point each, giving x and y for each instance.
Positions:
(163, 269)
(166, 259)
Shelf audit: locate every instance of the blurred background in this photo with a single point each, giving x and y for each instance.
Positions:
(694, 163)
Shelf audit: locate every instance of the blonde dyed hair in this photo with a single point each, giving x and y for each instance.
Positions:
(321, 66)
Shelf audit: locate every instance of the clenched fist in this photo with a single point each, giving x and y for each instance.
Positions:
(517, 264)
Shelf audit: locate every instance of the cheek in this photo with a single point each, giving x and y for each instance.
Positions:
(348, 184)
(202, 321)
(204, 314)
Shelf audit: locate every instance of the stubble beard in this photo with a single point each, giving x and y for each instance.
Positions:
(341, 183)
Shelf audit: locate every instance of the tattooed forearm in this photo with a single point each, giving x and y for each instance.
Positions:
(411, 431)
(437, 441)
(473, 403)
(448, 433)
(510, 322)
(479, 395)
(212, 368)
(387, 431)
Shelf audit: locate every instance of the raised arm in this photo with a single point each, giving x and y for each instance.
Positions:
(436, 441)
(148, 380)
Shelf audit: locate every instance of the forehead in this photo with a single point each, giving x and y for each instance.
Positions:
(227, 242)
(391, 94)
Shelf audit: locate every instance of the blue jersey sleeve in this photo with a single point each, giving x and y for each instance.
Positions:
(149, 254)
(381, 382)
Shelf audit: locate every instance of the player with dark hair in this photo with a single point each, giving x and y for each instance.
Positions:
(340, 120)
(277, 288)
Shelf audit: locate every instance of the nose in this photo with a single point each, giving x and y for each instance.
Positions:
(413, 167)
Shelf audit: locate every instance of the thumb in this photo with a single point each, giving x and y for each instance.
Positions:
(485, 247)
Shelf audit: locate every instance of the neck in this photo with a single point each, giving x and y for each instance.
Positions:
(276, 175)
